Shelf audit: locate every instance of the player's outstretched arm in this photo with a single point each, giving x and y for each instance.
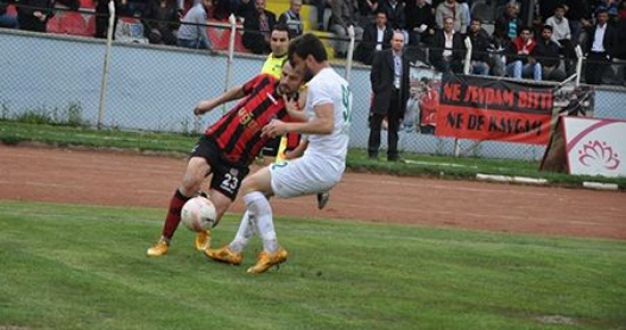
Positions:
(205, 106)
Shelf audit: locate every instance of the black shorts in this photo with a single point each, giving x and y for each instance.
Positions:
(227, 177)
(270, 149)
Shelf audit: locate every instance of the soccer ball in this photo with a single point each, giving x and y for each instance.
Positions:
(198, 214)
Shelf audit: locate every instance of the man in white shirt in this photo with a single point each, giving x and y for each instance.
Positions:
(376, 37)
(326, 121)
(447, 48)
(562, 36)
(601, 46)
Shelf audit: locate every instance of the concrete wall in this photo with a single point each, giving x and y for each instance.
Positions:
(156, 88)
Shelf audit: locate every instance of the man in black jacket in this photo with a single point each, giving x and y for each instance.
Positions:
(480, 45)
(420, 21)
(390, 85)
(447, 49)
(602, 38)
(258, 26)
(376, 37)
(546, 52)
(33, 15)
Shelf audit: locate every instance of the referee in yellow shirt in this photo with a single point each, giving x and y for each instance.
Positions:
(279, 43)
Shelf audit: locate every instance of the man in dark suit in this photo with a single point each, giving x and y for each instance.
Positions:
(377, 36)
(258, 26)
(390, 84)
(447, 49)
(600, 49)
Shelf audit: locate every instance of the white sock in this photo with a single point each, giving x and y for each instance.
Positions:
(261, 210)
(244, 233)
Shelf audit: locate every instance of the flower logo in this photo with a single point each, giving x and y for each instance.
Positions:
(600, 154)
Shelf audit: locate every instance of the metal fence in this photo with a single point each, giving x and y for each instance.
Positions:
(155, 87)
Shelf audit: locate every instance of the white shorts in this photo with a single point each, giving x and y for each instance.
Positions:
(303, 176)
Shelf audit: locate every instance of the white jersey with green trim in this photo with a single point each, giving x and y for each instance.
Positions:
(329, 87)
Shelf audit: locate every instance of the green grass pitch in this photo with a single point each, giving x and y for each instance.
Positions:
(84, 267)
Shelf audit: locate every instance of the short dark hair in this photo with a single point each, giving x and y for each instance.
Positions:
(305, 45)
(559, 6)
(380, 11)
(548, 27)
(601, 10)
(525, 28)
(281, 27)
(476, 19)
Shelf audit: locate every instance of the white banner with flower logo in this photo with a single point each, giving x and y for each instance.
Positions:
(595, 146)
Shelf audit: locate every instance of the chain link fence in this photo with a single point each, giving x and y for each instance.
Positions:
(155, 87)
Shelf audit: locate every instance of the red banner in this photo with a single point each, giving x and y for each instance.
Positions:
(484, 109)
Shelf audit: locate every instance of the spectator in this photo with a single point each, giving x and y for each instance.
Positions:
(447, 52)
(7, 21)
(465, 12)
(102, 17)
(343, 15)
(480, 45)
(33, 15)
(519, 62)
(578, 13)
(161, 19)
(390, 85)
(500, 44)
(376, 37)
(620, 51)
(222, 9)
(258, 26)
(291, 18)
(547, 8)
(451, 8)
(320, 7)
(509, 22)
(193, 30)
(130, 26)
(600, 48)
(135, 8)
(420, 21)
(562, 36)
(547, 54)
(367, 11)
(245, 8)
(395, 14)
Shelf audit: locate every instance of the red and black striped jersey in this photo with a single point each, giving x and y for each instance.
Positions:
(238, 132)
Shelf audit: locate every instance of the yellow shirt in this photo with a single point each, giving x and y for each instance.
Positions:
(274, 65)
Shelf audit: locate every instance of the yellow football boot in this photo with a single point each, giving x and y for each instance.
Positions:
(159, 249)
(266, 261)
(203, 240)
(224, 254)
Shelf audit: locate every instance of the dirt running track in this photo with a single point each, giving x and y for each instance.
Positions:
(110, 178)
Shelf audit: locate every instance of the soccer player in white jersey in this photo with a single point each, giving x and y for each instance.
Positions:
(326, 120)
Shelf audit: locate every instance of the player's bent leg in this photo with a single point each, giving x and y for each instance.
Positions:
(260, 181)
(197, 169)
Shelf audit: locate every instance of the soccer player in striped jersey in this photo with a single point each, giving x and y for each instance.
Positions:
(229, 146)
